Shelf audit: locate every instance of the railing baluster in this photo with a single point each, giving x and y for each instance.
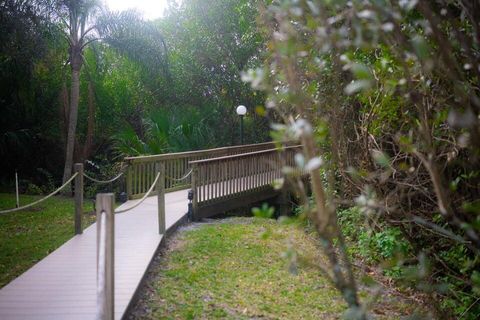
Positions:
(144, 183)
(249, 173)
(142, 178)
(160, 168)
(201, 181)
(239, 175)
(236, 168)
(137, 176)
(208, 182)
(220, 179)
(257, 172)
(225, 179)
(215, 179)
(195, 190)
(129, 181)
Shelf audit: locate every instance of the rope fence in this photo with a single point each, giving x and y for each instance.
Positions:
(182, 178)
(43, 199)
(143, 198)
(103, 181)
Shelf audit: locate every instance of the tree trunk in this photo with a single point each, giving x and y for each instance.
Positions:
(87, 148)
(63, 112)
(72, 123)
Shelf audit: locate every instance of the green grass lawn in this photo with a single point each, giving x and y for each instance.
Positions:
(239, 269)
(28, 236)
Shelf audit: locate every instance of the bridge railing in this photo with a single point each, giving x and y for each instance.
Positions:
(141, 170)
(218, 179)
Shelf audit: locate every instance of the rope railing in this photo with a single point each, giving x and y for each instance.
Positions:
(103, 181)
(182, 178)
(122, 172)
(143, 198)
(43, 199)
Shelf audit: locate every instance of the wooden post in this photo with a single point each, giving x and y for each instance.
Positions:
(129, 181)
(194, 190)
(16, 190)
(105, 256)
(78, 197)
(160, 168)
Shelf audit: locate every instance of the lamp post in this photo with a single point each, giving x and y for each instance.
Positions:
(241, 111)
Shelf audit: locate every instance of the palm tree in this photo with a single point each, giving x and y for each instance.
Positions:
(84, 22)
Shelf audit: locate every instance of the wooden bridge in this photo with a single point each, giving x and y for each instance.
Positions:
(161, 190)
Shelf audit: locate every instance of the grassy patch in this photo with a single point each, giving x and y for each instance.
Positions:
(242, 268)
(28, 236)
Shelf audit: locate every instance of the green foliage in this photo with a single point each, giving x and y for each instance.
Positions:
(141, 104)
(33, 189)
(167, 131)
(265, 211)
(395, 87)
(382, 243)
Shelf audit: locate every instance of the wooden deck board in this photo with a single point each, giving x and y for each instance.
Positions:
(63, 284)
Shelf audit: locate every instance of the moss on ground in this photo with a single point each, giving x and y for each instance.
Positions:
(242, 268)
(28, 236)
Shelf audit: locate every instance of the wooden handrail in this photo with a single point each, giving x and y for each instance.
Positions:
(217, 181)
(199, 153)
(240, 155)
(141, 170)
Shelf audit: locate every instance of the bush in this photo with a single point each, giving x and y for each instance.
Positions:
(33, 189)
(379, 244)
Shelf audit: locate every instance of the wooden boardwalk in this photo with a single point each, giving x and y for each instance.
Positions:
(63, 285)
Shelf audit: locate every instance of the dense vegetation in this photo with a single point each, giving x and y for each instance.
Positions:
(131, 102)
(384, 96)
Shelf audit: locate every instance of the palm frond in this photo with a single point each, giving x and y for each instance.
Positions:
(138, 39)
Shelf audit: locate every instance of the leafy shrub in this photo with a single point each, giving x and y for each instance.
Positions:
(265, 211)
(33, 189)
(374, 245)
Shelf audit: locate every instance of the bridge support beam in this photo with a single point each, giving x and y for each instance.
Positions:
(283, 201)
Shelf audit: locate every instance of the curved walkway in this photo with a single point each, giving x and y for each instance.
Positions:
(63, 284)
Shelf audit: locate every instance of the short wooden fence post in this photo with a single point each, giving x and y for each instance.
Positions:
(105, 256)
(78, 197)
(160, 169)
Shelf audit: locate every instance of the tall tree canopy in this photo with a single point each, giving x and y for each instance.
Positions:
(143, 87)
